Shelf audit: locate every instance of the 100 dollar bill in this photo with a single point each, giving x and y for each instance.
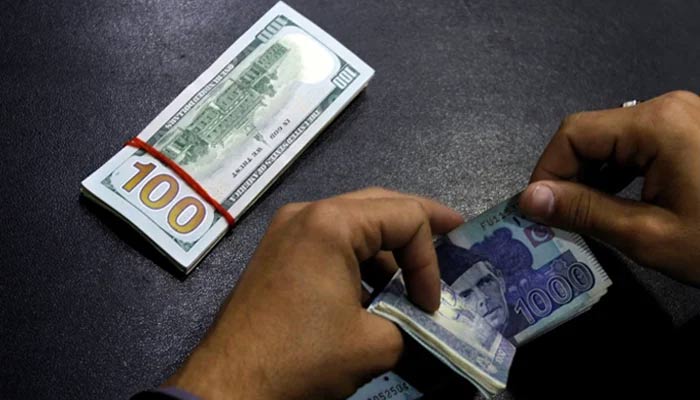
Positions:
(234, 130)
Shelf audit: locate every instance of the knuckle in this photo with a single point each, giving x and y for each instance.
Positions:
(579, 213)
(650, 232)
(417, 208)
(286, 212)
(289, 210)
(569, 122)
(377, 191)
(324, 218)
(682, 95)
(666, 111)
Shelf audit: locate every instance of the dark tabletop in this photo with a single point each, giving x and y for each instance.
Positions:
(466, 94)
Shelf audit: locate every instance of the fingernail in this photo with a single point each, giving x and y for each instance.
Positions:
(542, 201)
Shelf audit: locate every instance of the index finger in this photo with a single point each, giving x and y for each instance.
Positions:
(442, 218)
(398, 224)
(594, 135)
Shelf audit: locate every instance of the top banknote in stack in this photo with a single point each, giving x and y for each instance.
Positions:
(505, 281)
(233, 130)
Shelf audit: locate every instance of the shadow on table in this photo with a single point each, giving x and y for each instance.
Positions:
(131, 236)
(626, 345)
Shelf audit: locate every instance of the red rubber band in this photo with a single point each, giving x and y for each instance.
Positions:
(140, 144)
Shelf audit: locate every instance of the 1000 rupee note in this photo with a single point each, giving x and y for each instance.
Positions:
(505, 280)
(523, 277)
(456, 335)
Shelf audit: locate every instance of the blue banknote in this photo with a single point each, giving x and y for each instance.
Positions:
(505, 280)
(388, 386)
(522, 277)
(455, 334)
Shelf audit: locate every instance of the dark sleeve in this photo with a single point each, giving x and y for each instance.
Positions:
(170, 393)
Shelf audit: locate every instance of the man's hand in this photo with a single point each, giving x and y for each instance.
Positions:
(657, 139)
(294, 326)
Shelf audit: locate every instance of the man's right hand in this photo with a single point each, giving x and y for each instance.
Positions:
(658, 139)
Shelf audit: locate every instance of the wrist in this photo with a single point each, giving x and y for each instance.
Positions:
(212, 372)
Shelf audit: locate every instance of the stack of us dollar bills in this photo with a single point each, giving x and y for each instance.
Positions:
(233, 130)
(505, 281)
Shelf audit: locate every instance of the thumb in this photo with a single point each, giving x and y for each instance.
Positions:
(381, 342)
(631, 226)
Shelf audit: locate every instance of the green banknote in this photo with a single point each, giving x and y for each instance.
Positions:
(234, 130)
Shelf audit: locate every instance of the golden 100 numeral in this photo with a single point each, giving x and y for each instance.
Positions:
(166, 198)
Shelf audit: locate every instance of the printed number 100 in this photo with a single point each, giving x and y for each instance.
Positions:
(165, 198)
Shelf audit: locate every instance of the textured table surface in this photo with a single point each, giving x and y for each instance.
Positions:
(465, 97)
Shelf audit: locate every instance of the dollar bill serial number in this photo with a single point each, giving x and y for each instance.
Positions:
(391, 392)
(280, 128)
